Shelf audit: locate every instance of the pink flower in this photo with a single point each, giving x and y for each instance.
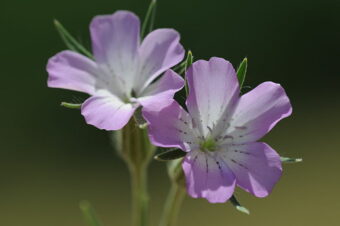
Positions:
(220, 132)
(120, 77)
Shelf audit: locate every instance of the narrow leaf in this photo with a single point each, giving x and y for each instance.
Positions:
(70, 105)
(188, 62)
(290, 160)
(171, 154)
(89, 214)
(153, 17)
(241, 71)
(179, 67)
(238, 206)
(150, 15)
(70, 41)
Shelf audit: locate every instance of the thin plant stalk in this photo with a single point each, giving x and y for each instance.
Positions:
(140, 197)
(173, 205)
(134, 147)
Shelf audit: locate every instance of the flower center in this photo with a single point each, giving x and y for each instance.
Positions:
(130, 97)
(208, 145)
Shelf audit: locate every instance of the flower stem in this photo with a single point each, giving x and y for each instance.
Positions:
(172, 206)
(134, 147)
(140, 198)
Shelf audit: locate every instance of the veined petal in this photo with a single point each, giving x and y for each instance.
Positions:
(162, 91)
(169, 126)
(208, 177)
(73, 71)
(159, 51)
(258, 112)
(257, 167)
(107, 112)
(115, 42)
(213, 90)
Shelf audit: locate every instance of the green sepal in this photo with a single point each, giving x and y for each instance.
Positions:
(179, 67)
(151, 13)
(70, 41)
(241, 71)
(171, 154)
(140, 121)
(238, 206)
(290, 160)
(133, 145)
(176, 172)
(89, 214)
(70, 105)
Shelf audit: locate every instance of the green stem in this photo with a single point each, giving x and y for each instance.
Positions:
(140, 198)
(172, 206)
(134, 147)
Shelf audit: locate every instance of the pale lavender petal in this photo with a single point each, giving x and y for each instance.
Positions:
(208, 177)
(115, 42)
(213, 91)
(159, 51)
(73, 71)
(169, 126)
(161, 92)
(257, 167)
(107, 112)
(258, 112)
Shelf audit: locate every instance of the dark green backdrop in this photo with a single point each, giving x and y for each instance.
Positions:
(50, 159)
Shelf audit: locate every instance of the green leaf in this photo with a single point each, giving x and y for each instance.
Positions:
(290, 160)
(238, 206)
(188, 62)
(179, 67)
(150, 15)
(89, 214)
(241, 71)
(70, 41)
(171, 154)
(70, 105)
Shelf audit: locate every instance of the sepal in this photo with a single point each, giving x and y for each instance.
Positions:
(176, 173)
(170, 154)
(70, 105)
(238, 206)
(133, 145)
(290, 160)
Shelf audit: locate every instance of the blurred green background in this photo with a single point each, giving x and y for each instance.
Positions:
(50, 159)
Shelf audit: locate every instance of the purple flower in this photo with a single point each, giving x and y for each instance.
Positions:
(220, 132)
(120, 78)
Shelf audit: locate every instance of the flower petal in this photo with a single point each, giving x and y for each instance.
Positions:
(162, 91)
(73, 71)
(257, 167)
(159, 51)
(115, 42)
(169, 126)
(107, 112)
(208, 177)
(213, 89)
(258, 112)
